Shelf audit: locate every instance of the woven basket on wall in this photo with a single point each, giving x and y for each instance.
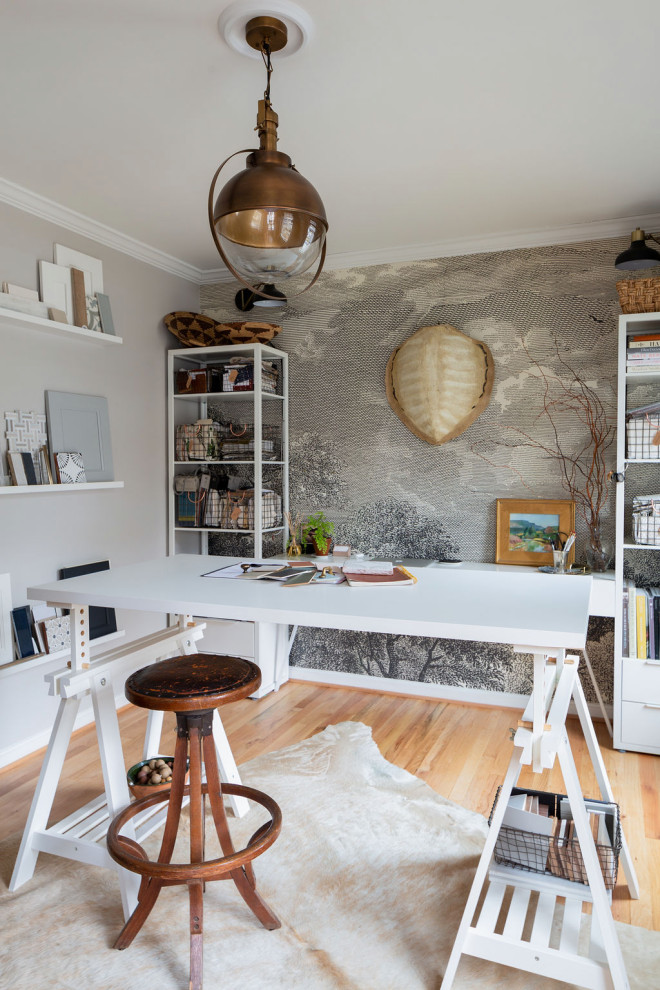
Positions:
(639, 295)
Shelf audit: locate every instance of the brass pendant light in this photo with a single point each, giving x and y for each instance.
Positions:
(268, 222)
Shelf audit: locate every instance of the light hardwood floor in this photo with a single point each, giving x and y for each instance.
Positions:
(462, 751)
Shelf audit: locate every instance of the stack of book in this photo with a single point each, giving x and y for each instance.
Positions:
(643, 353)
(641, 622)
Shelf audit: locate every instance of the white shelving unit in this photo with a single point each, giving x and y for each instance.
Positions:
(636, 681)
(251, 406)
(13, 319)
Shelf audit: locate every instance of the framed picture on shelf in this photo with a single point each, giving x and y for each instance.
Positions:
(92, 267)
(81, 423)
(55, 283)
(528, 530)
(69, 468)
(21, 467)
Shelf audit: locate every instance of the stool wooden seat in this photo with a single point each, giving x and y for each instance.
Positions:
(193, 687)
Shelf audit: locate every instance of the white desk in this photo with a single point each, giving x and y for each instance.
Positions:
(482, 602)
(543, 615)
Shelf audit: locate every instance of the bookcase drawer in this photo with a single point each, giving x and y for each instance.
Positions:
(640, 725)
(641, 681)
(224, 636)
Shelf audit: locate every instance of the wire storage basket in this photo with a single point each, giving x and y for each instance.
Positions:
(237, 442)
(558, 853)
(199, 441)
(646, 520)
(235, 509)
(639, 295)
(643, 436)
(238, 376)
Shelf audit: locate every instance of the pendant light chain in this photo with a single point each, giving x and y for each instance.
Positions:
(265, 54)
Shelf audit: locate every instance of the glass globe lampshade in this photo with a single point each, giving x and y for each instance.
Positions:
(269, 220)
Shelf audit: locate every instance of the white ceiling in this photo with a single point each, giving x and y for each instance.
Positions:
(424, 125)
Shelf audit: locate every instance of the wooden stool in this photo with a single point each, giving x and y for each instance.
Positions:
(192, 687)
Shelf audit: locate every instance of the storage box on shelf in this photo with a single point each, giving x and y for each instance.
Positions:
(228, 409)
(637, 575)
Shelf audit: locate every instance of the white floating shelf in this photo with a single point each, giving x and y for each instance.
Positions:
(196, 396)
(50, 489)
(39, 659)
(640, 546)
(14, 318)
(216, 529)
(642, 377)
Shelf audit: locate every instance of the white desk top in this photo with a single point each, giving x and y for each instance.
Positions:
(481, 602)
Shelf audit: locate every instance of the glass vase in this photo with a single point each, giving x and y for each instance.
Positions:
(598, 551)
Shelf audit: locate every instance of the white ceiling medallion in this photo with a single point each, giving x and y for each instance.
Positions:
(233, 19)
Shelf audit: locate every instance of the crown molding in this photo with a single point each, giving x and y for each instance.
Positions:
(46, 209)
(510, 241)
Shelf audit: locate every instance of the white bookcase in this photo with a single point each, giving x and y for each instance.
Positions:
(259, 408)
(636, 680)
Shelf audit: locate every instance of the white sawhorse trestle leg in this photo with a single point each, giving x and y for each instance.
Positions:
(81, 835)
(532, 921)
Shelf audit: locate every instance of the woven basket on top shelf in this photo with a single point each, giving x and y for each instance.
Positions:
(639, 295)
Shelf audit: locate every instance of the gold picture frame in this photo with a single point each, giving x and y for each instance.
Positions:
(526, 529)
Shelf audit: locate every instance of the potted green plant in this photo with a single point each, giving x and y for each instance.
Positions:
(318, 531)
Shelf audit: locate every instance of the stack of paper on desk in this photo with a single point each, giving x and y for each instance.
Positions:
(376, 575)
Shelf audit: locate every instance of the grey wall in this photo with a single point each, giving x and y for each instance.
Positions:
(43, 532)
(389, 492)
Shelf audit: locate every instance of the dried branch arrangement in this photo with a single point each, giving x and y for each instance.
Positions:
(584, 470)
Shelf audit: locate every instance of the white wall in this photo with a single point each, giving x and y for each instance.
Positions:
(43, 532)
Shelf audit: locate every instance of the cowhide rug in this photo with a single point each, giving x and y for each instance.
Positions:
(369, 878)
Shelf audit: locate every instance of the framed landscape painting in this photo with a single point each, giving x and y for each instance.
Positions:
(528, 530)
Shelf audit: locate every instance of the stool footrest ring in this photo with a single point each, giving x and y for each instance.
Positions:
(125, 851)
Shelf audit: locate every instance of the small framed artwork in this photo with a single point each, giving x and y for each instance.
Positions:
(92, 267)
(56, 633)
(105, 313)
(21, 467)
(56, 288)
(21, 620)
(81, 423)
(93, 315)
(70, 468)
(528, 530)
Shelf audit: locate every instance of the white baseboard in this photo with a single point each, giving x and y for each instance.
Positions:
(29, 746)
(439, 692)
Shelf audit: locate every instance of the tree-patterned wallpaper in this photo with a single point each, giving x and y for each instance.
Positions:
(390, 493)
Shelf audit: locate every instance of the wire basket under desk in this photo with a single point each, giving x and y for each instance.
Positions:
(560, 855)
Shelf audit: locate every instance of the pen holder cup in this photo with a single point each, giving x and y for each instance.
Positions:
(559, 558)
